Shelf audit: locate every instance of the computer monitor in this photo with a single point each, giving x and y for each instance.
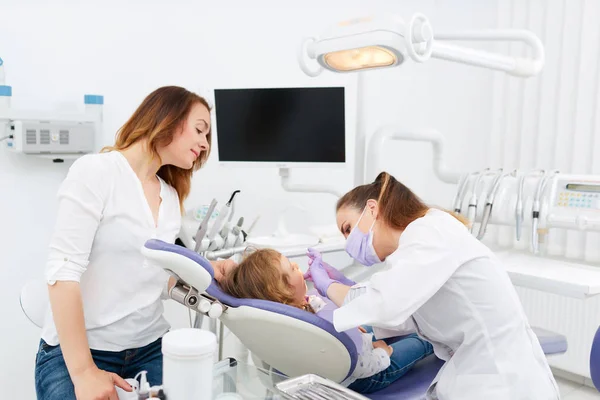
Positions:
(282, 127)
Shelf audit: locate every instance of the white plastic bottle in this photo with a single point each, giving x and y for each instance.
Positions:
(188, 359)
(124, 395)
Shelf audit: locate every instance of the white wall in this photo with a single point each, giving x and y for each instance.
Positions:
(55, 53)
(552, 122)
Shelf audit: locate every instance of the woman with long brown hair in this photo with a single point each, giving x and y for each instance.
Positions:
(106, 319)
(441, 283)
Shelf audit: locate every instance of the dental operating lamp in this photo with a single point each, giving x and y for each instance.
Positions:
(368, 43)
(371, 43)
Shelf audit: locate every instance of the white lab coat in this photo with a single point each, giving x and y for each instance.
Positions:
(449, 288)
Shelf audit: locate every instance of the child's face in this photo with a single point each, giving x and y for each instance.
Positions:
(296, 278)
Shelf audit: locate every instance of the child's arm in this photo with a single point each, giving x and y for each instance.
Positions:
(371, 360)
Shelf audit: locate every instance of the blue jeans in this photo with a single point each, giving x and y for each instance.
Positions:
(52, 380)
(407, 351)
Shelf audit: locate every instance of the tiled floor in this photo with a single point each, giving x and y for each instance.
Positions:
(574, 391)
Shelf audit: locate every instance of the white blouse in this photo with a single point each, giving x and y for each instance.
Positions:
(103, 221)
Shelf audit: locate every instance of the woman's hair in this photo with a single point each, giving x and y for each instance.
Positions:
(160, 116)
(398, 205)
(259, 276)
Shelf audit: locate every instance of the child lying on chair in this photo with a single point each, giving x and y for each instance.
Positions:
(268, 275)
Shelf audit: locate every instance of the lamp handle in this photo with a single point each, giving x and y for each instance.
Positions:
(518, 66)
(419, 32)
(304, 50)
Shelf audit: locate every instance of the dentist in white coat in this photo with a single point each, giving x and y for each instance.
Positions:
(443, 284)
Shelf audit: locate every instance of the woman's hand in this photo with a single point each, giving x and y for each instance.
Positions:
(96, 384)
(331, 271)
(319, 277)
(222, 267)
(380, 344)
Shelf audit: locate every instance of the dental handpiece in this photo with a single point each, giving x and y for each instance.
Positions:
(519, 213)
(217, 225)
(457, 203)
(251, 228)
(224, 253)
(463, 193)
(234, 236)
(227, 227)
(537, 208)
(472, 210)
(536, 214)
(487, 211)
(202, 228)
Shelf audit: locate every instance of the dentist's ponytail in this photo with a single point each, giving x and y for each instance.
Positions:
(398, 205)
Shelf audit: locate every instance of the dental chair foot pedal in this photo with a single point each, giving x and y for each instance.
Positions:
(314, 387)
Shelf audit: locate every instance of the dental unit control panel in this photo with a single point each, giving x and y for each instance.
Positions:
(575, 201)
(578, 195)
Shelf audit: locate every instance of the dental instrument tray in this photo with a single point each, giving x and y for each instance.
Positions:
(313, 387)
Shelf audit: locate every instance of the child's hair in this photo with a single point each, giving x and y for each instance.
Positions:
(259, 276)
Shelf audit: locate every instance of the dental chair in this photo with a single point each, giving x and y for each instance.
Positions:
(284, 338)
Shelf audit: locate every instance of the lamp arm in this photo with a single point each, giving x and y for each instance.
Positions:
(517, 66)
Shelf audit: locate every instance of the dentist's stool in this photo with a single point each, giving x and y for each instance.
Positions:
(34, 301)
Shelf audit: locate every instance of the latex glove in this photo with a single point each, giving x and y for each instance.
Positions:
(318, 275)
(331, 271)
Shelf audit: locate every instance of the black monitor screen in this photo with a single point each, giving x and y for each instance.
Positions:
(287, 125)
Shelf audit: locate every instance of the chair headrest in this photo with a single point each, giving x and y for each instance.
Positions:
(157, 244)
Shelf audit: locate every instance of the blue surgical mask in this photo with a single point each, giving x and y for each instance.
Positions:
(359, 245)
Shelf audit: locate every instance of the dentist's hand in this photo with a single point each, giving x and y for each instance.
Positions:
(331, 271)
(318, 275)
